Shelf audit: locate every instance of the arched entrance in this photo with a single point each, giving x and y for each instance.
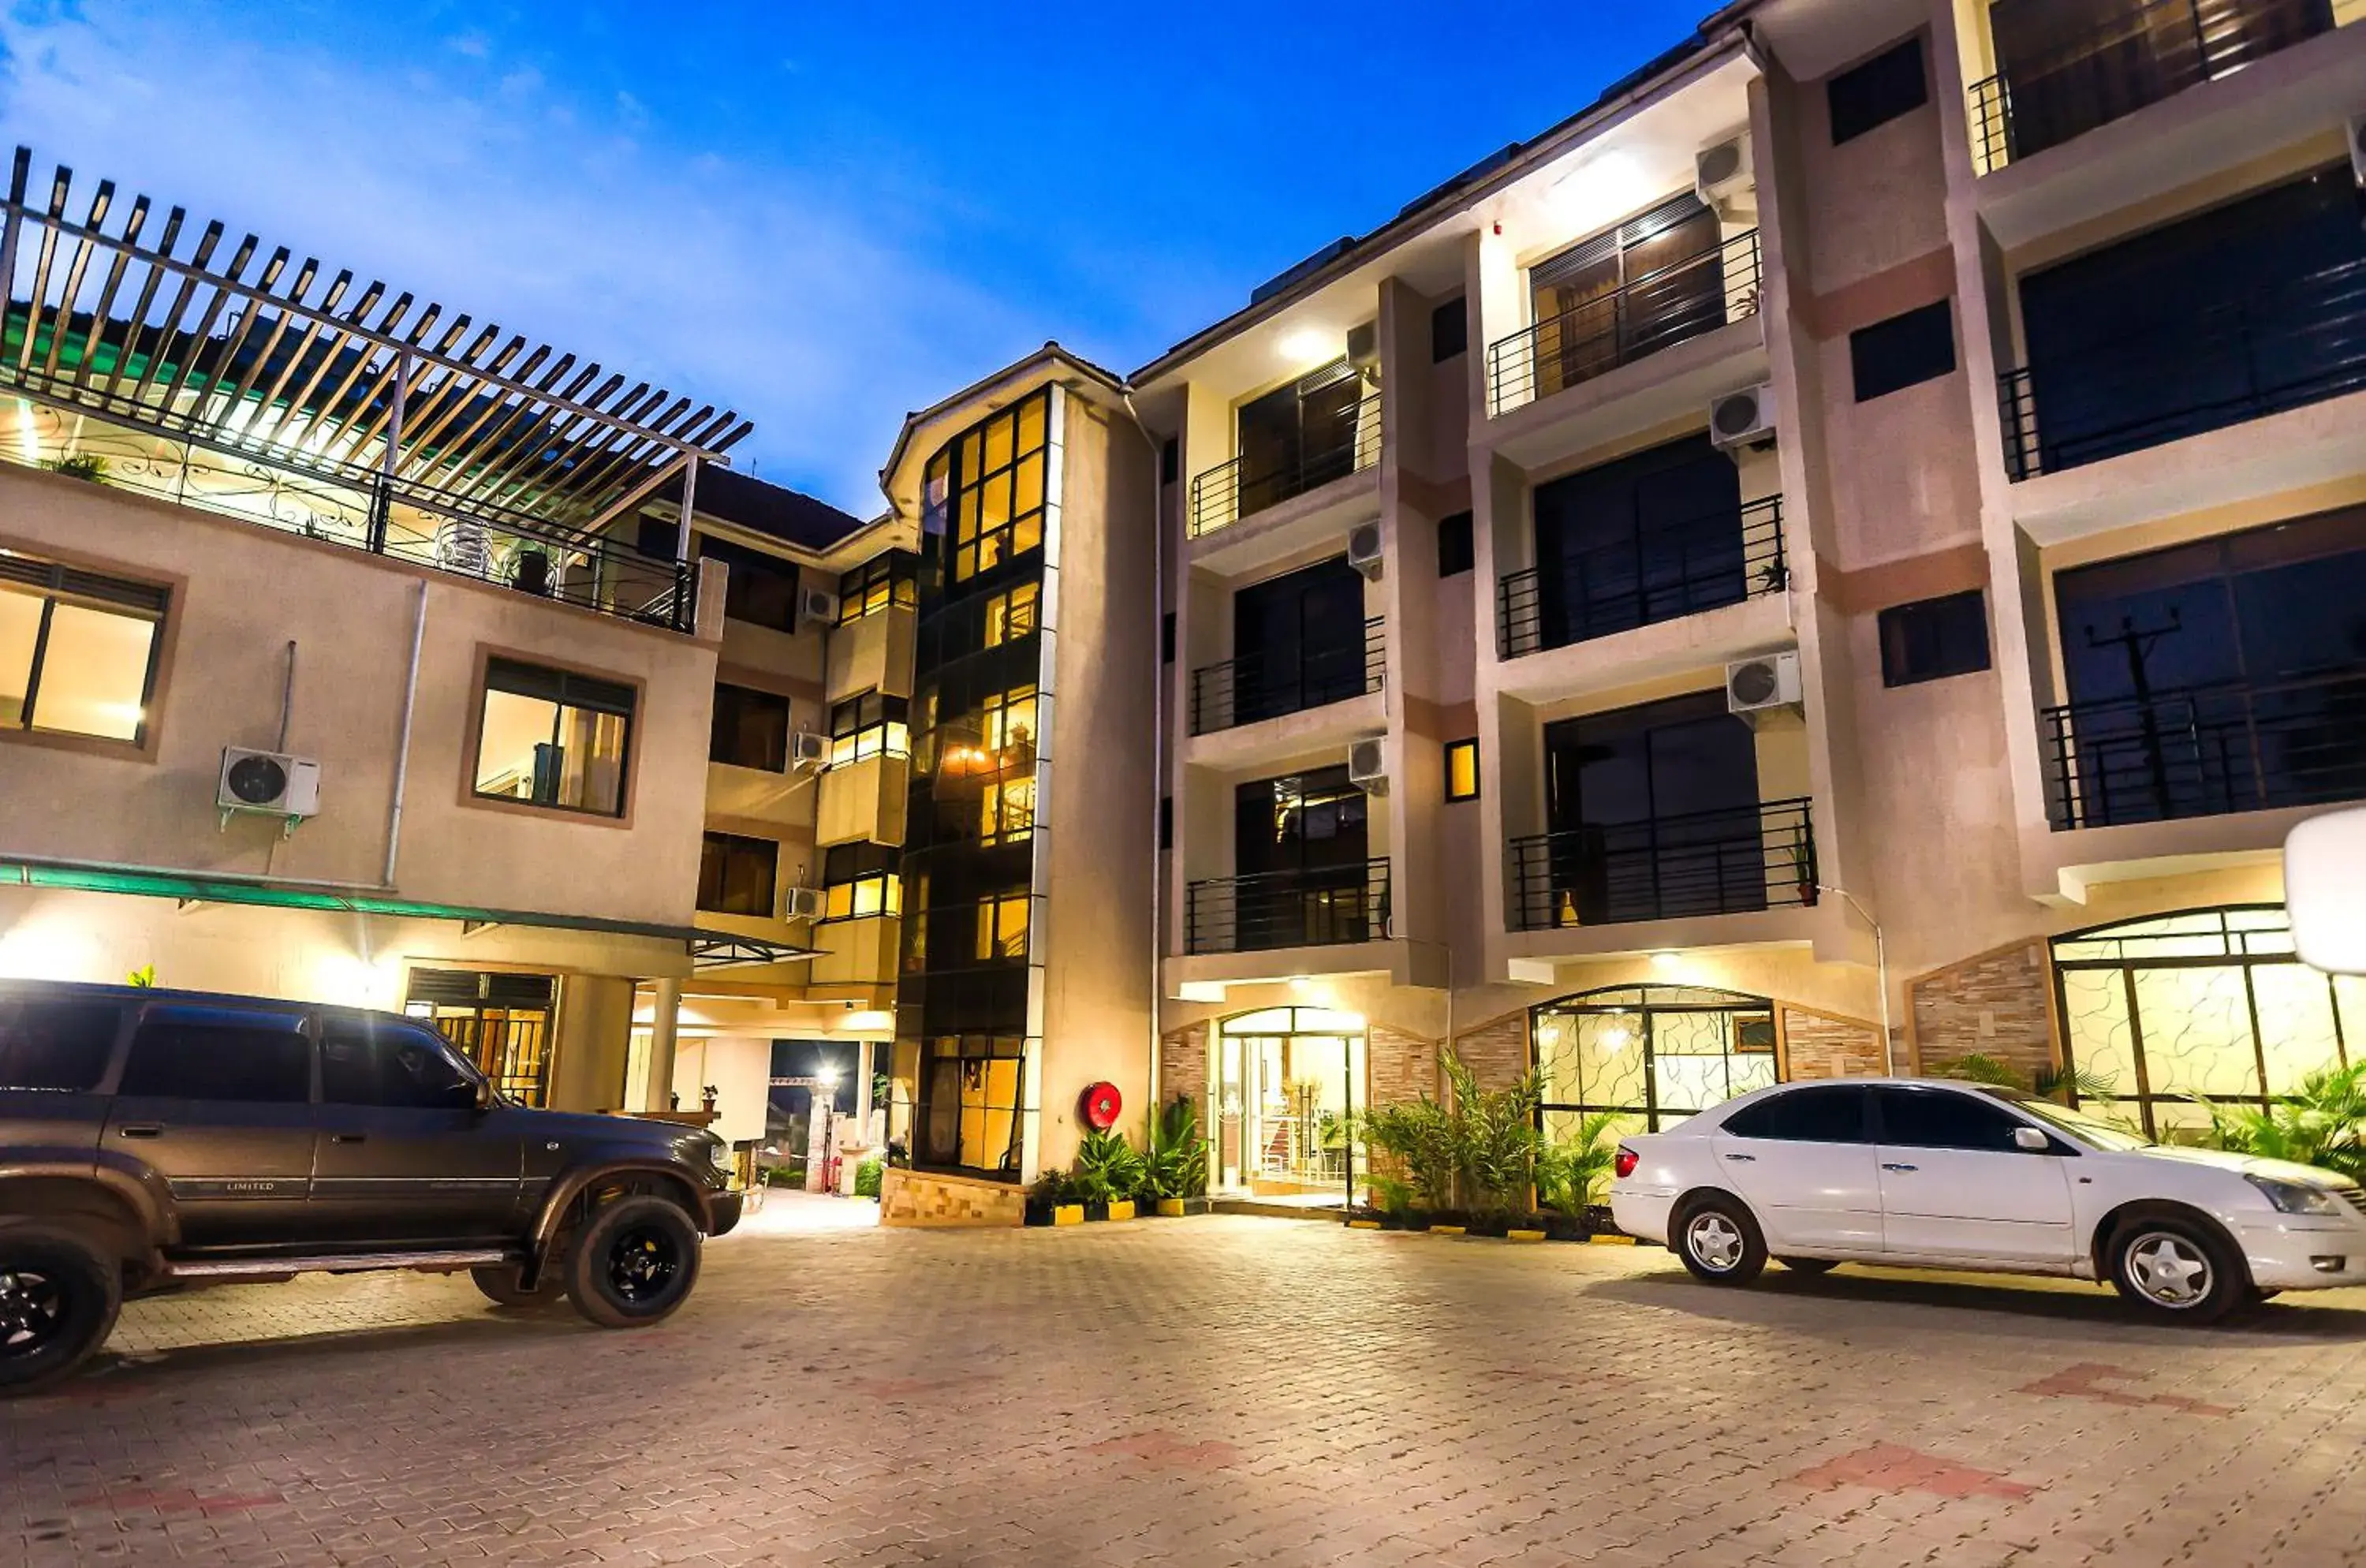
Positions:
(1287, 1083)
(2209, 1002)
(1651, 1055)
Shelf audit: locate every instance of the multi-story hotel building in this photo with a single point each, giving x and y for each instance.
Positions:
(1863, 524)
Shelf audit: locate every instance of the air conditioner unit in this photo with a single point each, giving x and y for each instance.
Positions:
(801, 903)
(1364, 549)
(808, 752)
(2358, 149)
(1755, 685)
(271, 782)
(1744, 420)
(1364, 350)
(816, 606)
(1725, 176)
(1367, 764)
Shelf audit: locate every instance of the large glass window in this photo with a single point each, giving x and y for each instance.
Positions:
(761, 590)
(1002, 928)
(77, 649)
(554, 739)
(970, 1103)
(1649, 538)
(1651, 1055)
(859, 881)
(884, 580)
(869, 726)
(991, 486)
(1652, 281)
(498, 1020)
(738, 875)
(751, 729)
(1011, 615)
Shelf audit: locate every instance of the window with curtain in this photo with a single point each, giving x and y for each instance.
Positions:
(77, 649)
(554, 739)
(1652, 281)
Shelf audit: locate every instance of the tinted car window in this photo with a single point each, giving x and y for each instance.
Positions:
(1941, 1119)
(369, 1062)
(1832, 1115)
(208, 1053)
(55, 1046)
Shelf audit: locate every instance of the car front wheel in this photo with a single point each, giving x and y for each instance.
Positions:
(633, 1263)
(59, 1296)
(1719, 1242)
(2174, 1267)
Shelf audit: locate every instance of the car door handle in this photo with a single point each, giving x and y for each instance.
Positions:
(142, 1128)
(1892, 1165)
(349, 1137)
(1743, 1160)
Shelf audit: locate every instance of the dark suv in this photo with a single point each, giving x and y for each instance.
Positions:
(150, 1140)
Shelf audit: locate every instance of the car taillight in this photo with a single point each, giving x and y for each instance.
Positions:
(1628, 1161)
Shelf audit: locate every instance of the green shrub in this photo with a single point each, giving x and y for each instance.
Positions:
(1053, 1188)
(1178, 1163)
(1497, 1140)
(1978, 1068)
(1422, 1141)
(1569, 1175)
(2323, 1125)
(1108, 1168)
(866, 1178)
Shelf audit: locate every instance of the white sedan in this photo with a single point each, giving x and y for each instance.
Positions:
(1958, 1175)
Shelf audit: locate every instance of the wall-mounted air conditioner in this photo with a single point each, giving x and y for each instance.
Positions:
(801, 903)
(1364, 549)
(272, 783)
(808, 752)
(1725, 177)
(817, 608)
(1742, 420)
(1364, 350)
(1367, 764)
(1755, 685)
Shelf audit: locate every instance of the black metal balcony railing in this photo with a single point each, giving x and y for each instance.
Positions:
(1243, 691)
(1657, 311)
(1672, 572)
(1315, 907)
(1703, 863)
(2281, 348)
(2206, 751)
(1229, 491)
(2124, 61)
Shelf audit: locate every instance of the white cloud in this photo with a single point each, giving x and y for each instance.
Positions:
(501, 195)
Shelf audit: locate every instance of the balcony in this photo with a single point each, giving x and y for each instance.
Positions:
(2208, 752)
(1681, 570)
(1321, 907)
(2086, 72)
(1228, 492)
(864, 801)
(1246, 690)
(1656, 311)
(2300, 343)
(1707, 862)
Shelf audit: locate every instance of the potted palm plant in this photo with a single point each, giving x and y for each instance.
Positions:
(1109, 1173)
(1175, 1174)
(1569, 1177)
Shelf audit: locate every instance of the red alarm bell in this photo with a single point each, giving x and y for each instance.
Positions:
(1101, 1106)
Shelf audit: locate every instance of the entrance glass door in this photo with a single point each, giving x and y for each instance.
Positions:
(1289, 1083)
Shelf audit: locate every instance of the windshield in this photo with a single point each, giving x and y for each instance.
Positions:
(2093, 1130)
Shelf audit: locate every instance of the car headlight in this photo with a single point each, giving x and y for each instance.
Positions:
(2296, 1197)
(718, 1152)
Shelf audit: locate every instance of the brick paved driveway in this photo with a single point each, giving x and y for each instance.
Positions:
(1200, 1392)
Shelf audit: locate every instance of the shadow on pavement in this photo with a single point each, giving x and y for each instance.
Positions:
(1778, 1295)
(117, 1372)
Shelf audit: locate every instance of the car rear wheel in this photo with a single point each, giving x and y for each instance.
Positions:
(633, 1263)
(59, 1297)
(1809, 1265)
(2175, 1268)
(1719, 1242)
(501, 1285)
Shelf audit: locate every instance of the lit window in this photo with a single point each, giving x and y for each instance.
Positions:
(1010, 617)
(876, 585)
(1002, 928)
(994, 488)
(554, 739)
(1006, 811)
(868, 726)
(1462, 769)
(859, 881)
(77, 650)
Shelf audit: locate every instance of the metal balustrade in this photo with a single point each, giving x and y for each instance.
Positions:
(1704, 863)
(1320, 906)
(1229, 491)
(1664, 573)
(1258, 686)
(2206, 751)
(1657, 311)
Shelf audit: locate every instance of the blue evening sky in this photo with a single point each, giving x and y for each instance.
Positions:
(822, 214)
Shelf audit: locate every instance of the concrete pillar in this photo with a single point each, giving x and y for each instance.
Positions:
(664, 1015)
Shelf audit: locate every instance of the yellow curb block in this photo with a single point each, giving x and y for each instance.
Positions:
(1448, 1230)
(1363, 1225)
(1122, 1210)
(1523, 1235)
(1611, 1240)
(1068, 1214)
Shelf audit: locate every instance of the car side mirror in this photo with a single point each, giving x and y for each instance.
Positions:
(480, 1096)
(2031, 1139)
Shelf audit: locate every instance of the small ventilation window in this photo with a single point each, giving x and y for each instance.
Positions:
(1889, 84)
(1454, 545)
(1449, 330)
(1933, 638)
(1462, 769)
(1891, 356)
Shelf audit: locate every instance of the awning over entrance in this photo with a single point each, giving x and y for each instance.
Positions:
(708, 950)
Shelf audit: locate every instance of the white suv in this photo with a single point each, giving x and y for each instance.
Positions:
(1958, 1175)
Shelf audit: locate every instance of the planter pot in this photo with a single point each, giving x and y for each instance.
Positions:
(1489, 1225)
(1097, 1211)
(1172, 1208)
(1598, 1221)
(1122, 1209)
(1567, 1227)
(1068, 1214)
(1400, 1223)
(1039, 1212)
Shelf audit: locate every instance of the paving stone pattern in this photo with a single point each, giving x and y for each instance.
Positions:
(1200, 1392)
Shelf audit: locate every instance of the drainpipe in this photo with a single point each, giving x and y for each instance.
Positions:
(1158, 746)
(402, 747)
